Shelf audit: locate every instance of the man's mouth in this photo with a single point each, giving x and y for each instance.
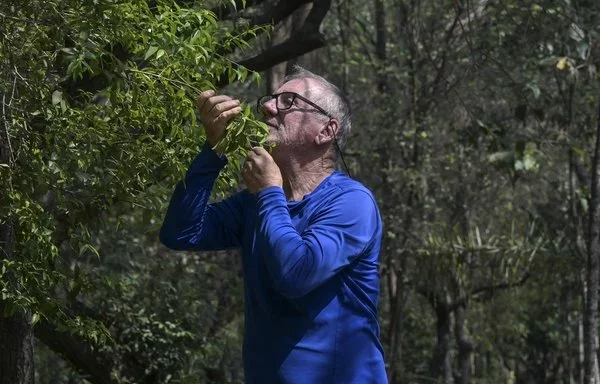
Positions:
(270, 124)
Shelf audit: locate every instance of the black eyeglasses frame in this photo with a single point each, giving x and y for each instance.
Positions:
(263, 99)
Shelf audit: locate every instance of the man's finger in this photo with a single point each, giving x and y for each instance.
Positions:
(223, 106)
(260, 151)
(228, 115)
(211, 102)
(203, 98)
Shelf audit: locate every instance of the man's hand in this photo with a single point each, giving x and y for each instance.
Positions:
(214, 112)
(260, 171)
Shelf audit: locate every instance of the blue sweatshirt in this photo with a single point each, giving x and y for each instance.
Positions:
(311, 282)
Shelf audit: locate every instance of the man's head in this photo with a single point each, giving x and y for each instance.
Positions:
(308, 114)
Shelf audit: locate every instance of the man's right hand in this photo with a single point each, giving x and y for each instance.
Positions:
(215, 111)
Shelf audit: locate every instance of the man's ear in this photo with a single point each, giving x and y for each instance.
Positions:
(328, 132)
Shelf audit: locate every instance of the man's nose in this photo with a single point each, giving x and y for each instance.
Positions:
(269, 108)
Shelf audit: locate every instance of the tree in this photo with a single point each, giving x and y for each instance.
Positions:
(98, 123)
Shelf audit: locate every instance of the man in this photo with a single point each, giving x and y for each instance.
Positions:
(310, 238)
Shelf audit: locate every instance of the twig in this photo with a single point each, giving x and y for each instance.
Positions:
(43, 22)
(6, 126)
(174, 81)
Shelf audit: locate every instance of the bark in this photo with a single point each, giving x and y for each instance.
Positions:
(305, 19)
(592, 273)
(460, 220)
(78, 352)
(441, 363)
(276, 74)
(16, 338)
(465, 346)
(309, 59)
(16, 348)
(380, 45)
(397, 300)
(342, 13)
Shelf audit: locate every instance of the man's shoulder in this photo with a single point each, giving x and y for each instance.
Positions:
(345, 184)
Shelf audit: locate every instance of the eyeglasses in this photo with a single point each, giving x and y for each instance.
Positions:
(285, 101)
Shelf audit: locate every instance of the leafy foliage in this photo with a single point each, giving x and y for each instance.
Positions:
(98, 122)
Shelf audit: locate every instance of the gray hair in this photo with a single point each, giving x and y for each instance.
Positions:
(334, 102)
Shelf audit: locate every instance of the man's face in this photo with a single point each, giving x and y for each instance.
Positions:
(299, 125)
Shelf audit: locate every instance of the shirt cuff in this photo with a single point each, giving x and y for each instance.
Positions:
(207, 148)
(270, 192)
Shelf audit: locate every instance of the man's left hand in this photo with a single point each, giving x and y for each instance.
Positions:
(260, 171)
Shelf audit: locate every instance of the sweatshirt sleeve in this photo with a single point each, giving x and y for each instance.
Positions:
(193, 224)
(337, 234)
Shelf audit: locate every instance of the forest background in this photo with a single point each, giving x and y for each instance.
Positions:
(476, 124)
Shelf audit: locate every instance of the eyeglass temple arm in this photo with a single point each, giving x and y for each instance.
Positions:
(337, 146)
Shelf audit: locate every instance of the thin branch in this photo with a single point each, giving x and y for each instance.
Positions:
(33, 22)
(489, 290)
(10, 156)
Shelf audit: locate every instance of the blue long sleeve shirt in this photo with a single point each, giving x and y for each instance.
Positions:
(311, 282)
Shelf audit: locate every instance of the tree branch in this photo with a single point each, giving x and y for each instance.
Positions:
(276, 13)
(77, 351)
(307, 39)
(295, 46)
(488, 290)
(100, 367)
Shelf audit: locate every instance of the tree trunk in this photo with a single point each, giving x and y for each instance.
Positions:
(275, 75)
(592, 274)
(465, 346)
(380, 45)
(283, 31)
(16, 337)
(441, 363)
(308, 60)
(395, 325)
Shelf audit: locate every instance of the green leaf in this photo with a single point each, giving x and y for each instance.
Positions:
(576, 33)
(151, 51)
(501, 157)
(57, 97)
(90, 248)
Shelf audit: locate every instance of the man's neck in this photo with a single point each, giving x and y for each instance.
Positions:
(300, 180)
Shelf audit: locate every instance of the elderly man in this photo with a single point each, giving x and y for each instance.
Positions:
(310, 238)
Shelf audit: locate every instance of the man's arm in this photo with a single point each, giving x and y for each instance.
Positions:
(192, 223)
(336, 236)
